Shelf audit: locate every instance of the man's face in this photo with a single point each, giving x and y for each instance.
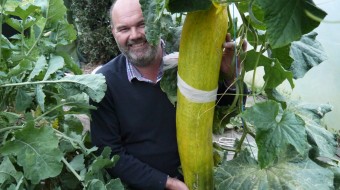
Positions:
(128, 30)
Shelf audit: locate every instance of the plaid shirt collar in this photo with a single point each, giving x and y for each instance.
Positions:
(132, 71)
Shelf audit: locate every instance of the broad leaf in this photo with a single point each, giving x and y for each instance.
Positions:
(53, 10)
(101, 162)
(152, 9)
(22, 100)
(78, 162)
(55, 63)
(37, 152)
(92, 84)
(287, 21)
(40, 97)
(114, 184)
(23, 66)
(243, 172)
(276, 131)
(169, 84)
(275, 74)
(307, 53)
(323, 142)
(23, 11)
(39, 66)
(8, 171)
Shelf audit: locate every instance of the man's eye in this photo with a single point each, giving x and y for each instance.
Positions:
(122, 30)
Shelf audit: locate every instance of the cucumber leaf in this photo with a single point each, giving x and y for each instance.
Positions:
(276, 131)
(243, 172)
(323, 141)
(307, 53)
(287, 21)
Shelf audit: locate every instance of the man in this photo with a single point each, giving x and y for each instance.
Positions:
(135, 118)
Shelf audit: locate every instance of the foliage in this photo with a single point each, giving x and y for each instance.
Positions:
(95, 41)
(293, 148)
(42, 141)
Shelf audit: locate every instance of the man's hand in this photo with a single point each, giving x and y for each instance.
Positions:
(175, 184)
(228, 63)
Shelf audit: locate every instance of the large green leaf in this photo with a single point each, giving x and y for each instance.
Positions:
(275, 74)
(53, 10)
(39, 66)
(287, 21)
(152, 10)
(8, 171)
(323, 141)
(114, 184)
(37, 152)
(22, 100)
(276, 131)
(243, 173)
(93, 84)
(55, 63)
(307, 53)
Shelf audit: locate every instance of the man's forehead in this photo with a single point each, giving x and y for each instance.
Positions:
(125, 9)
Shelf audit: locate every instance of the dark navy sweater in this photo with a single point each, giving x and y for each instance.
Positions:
(137, 121)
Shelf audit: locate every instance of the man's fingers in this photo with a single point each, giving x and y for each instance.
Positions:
(229, 45)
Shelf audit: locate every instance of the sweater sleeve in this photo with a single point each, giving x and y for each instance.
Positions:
(105, 131)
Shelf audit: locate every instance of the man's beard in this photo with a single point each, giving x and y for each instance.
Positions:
(141, 57)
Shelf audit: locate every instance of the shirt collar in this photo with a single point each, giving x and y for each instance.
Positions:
(133, 73)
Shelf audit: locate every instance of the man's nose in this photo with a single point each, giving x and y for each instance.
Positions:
(136, 33)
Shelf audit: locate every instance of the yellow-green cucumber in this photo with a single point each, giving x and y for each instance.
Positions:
(199, 62)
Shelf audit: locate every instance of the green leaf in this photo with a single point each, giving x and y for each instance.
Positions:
(93, 84)
(275, 74)
(101, 162)
(23, 11)
(65, 34)
(37, 152)
(78, 162)
(53, 10)
(40, 97)
(307, 53)
(177, 6)
(323, 141)
(22, 100)
(69, 62)
(24, 66)
(114, 184)
(276, 131)
(168, 84)
(244, 173)
(14, 23)
(151, 11)
(287, 21)
(54, 64)
(39, 66)
(8, 171)
(282, 54)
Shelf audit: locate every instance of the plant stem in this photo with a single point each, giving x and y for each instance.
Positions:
(255, 67)
(71, 169)
(36, 83)
(10, 128)
(243, 137)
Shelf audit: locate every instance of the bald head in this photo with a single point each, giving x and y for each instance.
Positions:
(123, 6)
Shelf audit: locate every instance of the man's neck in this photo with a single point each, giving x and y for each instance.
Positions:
(151, 71)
